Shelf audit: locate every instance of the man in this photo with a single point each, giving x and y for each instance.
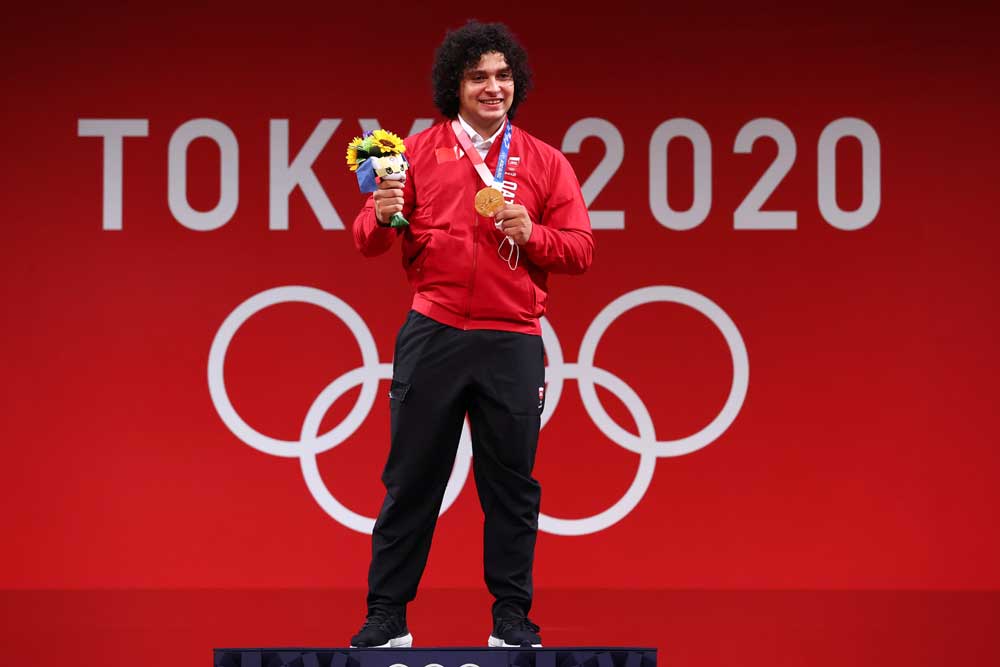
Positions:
(472, 342)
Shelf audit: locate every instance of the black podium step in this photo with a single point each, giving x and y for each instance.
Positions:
(437, 657)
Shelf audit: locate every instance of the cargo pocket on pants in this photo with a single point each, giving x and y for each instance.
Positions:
(398, 390)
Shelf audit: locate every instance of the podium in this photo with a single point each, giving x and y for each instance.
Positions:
(436, 657)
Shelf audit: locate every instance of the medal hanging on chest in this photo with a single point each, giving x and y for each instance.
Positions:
(489, 200)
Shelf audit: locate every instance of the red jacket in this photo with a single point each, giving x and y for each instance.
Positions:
(450, 251)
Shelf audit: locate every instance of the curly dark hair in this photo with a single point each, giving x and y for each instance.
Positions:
(462, 48)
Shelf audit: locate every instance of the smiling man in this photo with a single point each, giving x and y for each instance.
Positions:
(492, 212)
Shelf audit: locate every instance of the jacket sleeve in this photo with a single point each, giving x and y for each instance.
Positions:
(370, 237)
(561, 241)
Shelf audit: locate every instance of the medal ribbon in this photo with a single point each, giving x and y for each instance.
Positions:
(496, 180)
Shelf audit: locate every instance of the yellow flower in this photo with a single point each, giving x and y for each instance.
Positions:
(387, 142)
(352, 153)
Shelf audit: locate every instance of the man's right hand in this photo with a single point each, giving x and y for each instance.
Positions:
(388, 200)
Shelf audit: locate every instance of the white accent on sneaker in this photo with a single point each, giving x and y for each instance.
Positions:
(496, 642)
(403, 641)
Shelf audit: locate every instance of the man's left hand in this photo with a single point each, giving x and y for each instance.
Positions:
(513, 221)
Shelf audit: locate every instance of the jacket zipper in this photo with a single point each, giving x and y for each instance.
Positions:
(475, 256)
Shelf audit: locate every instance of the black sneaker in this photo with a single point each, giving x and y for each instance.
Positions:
(383, 629)
(514, 631)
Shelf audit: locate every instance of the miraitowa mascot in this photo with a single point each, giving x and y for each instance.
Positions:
(376, 157)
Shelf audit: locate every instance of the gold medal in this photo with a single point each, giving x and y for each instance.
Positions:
(489, 202)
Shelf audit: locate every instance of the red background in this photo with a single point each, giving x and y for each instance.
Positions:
(863, 458)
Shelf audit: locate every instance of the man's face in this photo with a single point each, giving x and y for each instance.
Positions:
(486, 93)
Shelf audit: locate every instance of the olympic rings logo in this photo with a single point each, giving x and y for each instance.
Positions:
(312, 443)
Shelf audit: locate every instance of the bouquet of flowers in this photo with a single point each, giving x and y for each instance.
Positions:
(375, 157)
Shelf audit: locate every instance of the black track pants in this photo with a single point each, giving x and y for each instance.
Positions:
(439, 374)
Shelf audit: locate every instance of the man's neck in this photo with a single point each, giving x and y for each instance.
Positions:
(484, 132)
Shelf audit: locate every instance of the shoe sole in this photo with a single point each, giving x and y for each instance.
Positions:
(406, 641)
(496, 642)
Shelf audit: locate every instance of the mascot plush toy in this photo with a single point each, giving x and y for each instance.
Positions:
(375, 157)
